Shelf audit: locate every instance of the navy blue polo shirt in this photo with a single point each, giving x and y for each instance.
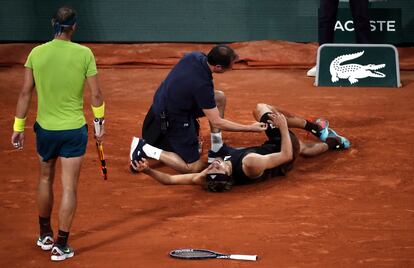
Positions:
(187, 89)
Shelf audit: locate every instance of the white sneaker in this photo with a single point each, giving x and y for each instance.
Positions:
(60, 254)
(312, 71)
(46, 242)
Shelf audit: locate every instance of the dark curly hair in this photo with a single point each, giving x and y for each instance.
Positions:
(218, 182)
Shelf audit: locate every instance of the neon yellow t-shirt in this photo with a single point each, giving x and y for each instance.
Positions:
(60, 69)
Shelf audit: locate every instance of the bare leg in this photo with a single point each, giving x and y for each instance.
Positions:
(45, 187)
(292, 120)
(312, 148)
(174, 161)
(70, 176)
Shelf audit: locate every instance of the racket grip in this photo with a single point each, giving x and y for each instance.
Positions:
(97, 124)
(243, 257)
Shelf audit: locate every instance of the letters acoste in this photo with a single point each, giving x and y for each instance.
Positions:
(379, 25)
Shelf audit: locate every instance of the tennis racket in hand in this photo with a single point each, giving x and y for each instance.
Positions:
(189, 253)
(98, 124)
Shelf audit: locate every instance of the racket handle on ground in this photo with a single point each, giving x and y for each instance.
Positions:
(243, 257)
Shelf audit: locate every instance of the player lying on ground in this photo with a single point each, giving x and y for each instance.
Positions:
(273, 158)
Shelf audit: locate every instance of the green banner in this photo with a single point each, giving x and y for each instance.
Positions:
(386, 26)
(346, 65)
(214, 21)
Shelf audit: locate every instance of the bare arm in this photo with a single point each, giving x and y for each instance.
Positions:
(25, 94)
(96, 94)
(96, 101)
(168, 179)
(224, 124)
(255, 164)
(23, 103)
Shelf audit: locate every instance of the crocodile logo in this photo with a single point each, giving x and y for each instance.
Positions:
(353, 71)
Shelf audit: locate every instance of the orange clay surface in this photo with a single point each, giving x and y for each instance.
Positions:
(351, 208)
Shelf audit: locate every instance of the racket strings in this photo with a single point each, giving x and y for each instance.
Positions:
(193, 254)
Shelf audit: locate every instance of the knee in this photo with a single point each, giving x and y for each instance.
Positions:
(261, 107)
(47, 176)
(69, 192)
(260, 110)
(220, 98)
(70, 187)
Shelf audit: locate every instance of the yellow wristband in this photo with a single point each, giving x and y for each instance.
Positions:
(19, 123)
(99, 112)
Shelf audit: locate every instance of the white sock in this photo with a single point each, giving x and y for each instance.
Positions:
(152, 152)
(216, 141)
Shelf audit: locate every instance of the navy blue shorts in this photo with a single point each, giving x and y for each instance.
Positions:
(65, 143)
(181, 136)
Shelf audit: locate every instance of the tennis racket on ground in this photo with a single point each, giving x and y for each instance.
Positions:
(189, 253)
(99, 147)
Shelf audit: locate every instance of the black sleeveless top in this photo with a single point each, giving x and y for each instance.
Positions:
(238, 155)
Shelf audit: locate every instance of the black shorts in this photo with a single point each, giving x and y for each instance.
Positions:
(273, 135)
(272, 132)
(181, 136)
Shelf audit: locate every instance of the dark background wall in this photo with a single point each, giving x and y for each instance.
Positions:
(181, 20)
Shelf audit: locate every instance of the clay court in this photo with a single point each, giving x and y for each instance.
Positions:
(352, 208)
